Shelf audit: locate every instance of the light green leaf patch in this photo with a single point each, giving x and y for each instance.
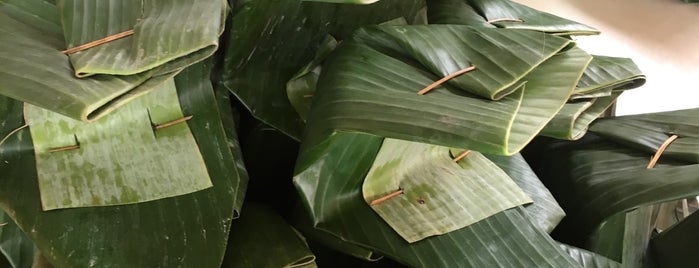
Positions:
(438, 194)
(121, 159)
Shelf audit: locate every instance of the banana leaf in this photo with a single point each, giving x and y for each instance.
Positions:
(677, 247)
(228, 121)
(439, 194)
(330, 186)
(187, 230)
(455, 12)
(32, 38)
(572, 122)
(14, 244)
(625, 237)
(103, 170)
(512, 15)
(597, 178)
(589, 259)
(650, 131)
(262, 238)
(361, 2)
(383, 86)
(168, 35)
(302, 86)
(610, 73)
(302, 222)
(270, 41)
(603, 81)
(544, 213)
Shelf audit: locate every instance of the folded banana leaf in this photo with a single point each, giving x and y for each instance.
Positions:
(625, 236)
(34, 33)
(14, 244)
(262, 238)
(650, 131)
(455, 12)
(504, 14)
(271, 40)
(330, 183)
(512, 15)
(373, 74)
(439, 194)
(362, 2)
(187, 230)
(302, 222)
(598, 178)
(98, 167)
(302, 86)
(603, 81)
(168, 35)
(544, 213)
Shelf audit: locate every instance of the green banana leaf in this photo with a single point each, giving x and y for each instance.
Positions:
(103, 170)
(223, 99)
(32, 38)
(595, 179)
(330, 186)
(603, 81)
(677, 247)
(437, 195)
(270, 41)
(302, 86)
(14, 244)
(262, 238)
(168, 35)
(528, 18)
(589, 259)
(624, 237)
(302, 222)
(652, 130)
(455, 12)
(187, 230)
(497, 54)
(544, 213)
(361, 2)
(384, 88)
(572, 122)
(610, 73)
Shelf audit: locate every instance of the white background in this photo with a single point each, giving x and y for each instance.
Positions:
(661, 36)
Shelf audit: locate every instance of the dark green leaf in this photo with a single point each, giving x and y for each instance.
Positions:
(364, 90)
(518, 16)
(188, 230)
(14, 244)
(261, 238)
(271, 40)
(677, 246)
(544, 213)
